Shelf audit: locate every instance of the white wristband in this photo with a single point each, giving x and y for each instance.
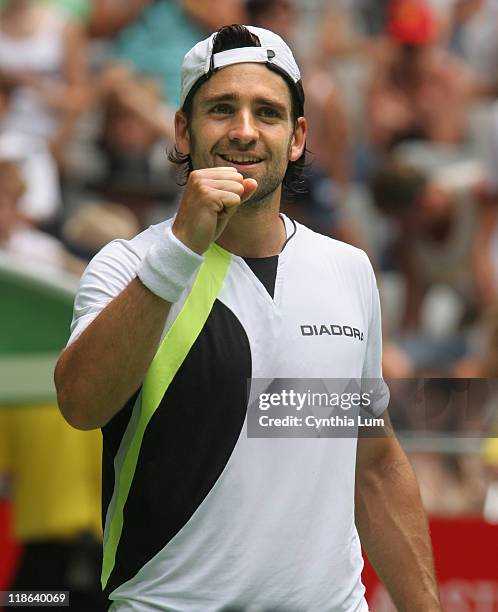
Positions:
(168, 267)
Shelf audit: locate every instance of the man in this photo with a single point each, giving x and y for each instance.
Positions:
(436, 217)
(199, 516)
(22, 242)
(412, 81)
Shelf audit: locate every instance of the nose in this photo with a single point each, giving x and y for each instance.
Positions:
(242, 129)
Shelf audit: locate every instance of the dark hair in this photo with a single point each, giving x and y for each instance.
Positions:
(396, 186)
(234, 37)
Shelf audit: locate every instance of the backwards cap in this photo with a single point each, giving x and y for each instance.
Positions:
(200, 62)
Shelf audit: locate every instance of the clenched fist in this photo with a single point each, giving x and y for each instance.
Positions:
(211, 197)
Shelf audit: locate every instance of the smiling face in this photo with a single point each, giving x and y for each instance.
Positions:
(242, 117)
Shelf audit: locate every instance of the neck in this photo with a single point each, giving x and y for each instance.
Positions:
(255, 232)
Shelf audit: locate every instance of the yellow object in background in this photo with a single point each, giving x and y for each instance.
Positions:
(490, 451)
(55, 473)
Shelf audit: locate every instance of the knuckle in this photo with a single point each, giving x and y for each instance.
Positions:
(195, 177)
(204, 190)
(234, 199)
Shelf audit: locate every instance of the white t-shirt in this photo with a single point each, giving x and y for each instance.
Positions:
(215, 519)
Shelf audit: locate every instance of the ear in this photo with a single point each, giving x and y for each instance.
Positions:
(182, 136)
(298, 140)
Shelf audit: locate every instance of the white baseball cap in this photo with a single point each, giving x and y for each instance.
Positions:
(200, 62)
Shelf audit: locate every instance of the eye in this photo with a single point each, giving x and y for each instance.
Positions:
(269, 113)
(221, 109)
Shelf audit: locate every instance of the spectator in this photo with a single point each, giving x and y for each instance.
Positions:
(486, 246)
(453, 483)
(22, 242)
(152, 37)
(474, 36)
(42, 56)
(95, 224)
(136, 126)
(450, 485)
(410, 86)
(482, 361)
(433, 219)
(40, 202)
(351, 29)
(108, 18)
(76, 9)
(43, 63)
(356, 28)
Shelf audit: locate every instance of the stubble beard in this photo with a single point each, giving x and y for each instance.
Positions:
(267, 185)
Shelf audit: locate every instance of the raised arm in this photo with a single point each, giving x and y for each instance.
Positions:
(391, 522)
(98, 372)
(106, 364)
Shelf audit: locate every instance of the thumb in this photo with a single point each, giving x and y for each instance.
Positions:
(250, 186)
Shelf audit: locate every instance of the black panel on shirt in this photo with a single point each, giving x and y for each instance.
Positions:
(186, 445)
(265, 268)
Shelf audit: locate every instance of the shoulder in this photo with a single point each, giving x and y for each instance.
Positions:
(134, 249)
(116, 264)
(109, 273)
(341, 270)
(317, 246)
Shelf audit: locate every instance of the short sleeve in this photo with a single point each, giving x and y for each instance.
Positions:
(372, 366)
(106, 276)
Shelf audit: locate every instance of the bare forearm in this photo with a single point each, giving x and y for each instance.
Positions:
(393, 530)
(100, 371)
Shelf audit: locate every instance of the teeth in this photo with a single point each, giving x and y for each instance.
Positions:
(240, 158)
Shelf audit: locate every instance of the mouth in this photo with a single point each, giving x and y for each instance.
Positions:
(239, 160)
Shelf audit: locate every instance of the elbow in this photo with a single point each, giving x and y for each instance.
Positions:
(74, 417)
(69, 402)
(72, 412)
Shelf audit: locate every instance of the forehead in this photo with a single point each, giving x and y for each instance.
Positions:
(246, 81)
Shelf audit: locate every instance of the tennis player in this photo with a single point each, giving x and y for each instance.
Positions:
(169, 327)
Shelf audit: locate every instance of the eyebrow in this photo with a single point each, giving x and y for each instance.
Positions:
(231, 97)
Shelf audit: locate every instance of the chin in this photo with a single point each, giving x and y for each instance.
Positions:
(253, 204)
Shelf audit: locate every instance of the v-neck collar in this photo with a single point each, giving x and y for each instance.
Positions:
(290, 230)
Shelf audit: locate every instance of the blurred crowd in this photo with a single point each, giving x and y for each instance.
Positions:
(402, 104)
